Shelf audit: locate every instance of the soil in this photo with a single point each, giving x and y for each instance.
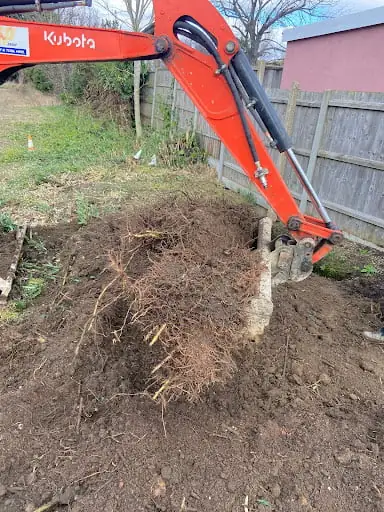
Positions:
(8, 244)
(299, 427)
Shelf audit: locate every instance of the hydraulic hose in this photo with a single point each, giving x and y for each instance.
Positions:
(197, 34)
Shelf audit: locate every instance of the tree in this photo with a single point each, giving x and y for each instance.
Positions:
(134, 14)
(257, 21)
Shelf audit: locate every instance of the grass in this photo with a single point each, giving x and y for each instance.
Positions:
(6, 223)
(65, 140)
(85, 210)
(82, 167)
(342, 263)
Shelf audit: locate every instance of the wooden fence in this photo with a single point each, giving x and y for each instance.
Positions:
(338, 137)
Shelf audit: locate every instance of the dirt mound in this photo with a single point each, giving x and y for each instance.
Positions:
(8, 246)
(177, 277)
(298, 427)
(372, 288)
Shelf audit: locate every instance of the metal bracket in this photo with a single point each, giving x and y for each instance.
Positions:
(221, 69)
(294, 224)
(261, 174)
(292, 261)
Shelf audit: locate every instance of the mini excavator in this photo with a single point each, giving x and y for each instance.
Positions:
(217, 76)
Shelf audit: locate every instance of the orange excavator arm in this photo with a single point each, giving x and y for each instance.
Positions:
(219, 80)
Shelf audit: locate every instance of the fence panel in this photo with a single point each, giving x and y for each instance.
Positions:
(338, 137)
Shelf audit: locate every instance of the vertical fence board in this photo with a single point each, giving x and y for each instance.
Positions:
(338, 136)
(316, 145)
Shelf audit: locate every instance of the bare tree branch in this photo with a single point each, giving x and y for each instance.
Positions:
(253, 20)
(134, 16)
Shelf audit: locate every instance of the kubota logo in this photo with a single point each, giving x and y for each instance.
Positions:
(64, 39)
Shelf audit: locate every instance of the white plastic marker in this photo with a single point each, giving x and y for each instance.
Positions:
(31, 147)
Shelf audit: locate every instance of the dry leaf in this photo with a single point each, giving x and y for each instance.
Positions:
(159, 489)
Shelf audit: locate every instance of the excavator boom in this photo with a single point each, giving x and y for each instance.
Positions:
(203, 54)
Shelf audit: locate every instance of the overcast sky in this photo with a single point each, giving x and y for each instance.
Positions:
(351, 5)
(361, 5)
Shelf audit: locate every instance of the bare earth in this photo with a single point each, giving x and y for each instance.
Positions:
(299, 428)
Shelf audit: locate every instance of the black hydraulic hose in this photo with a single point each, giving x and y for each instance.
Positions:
(193, 37)
(23, 6)
(149, 29)
(237, 81)
(208, 44)
(262, 104)
(248, 103)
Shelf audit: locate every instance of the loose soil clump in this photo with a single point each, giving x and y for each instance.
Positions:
(8, 244)
(178, 278)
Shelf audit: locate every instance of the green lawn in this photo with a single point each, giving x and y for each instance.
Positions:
(79, 164)
(81, 167)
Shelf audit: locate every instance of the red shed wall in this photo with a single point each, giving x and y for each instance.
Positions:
(346, 61)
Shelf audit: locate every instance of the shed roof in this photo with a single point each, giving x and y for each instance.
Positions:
(354, 21)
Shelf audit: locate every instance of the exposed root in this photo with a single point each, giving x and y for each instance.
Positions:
(186, 274)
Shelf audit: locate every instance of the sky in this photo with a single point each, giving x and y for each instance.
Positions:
(361, 5)
(345, 6)
(350, 5)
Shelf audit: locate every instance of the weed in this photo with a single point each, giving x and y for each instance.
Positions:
(181, 150)
(369, 269)
(85, 210)
(37, 245)
(9, 314)
(6, 223)
(46, 271)
(33, 288)
(335, 266)
(35, 277)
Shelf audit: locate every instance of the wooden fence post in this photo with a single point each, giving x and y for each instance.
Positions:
(173, 108)
(195, 117)
(221, 162)
(261, 70)
(154, 98)
(316, 145)
(289, 120)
